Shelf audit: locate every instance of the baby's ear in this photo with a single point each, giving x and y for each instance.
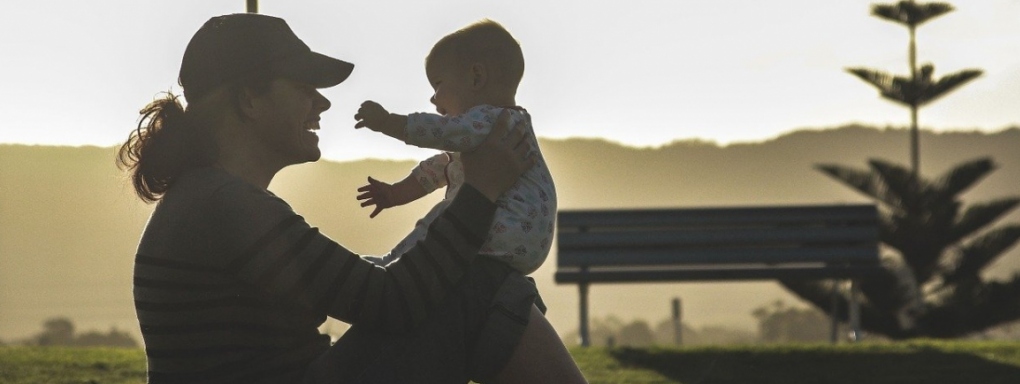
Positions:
(479, 76)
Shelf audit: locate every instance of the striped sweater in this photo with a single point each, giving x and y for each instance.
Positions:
(230, 284)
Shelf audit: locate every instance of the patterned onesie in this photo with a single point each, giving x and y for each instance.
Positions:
(522, 230)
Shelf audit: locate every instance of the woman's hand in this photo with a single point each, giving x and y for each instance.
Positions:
(500, 160)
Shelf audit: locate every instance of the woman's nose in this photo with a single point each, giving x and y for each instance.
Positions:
(322, 101)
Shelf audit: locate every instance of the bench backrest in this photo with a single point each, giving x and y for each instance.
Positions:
(834, 235)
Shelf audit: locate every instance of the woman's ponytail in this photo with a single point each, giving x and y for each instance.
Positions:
(166, 144)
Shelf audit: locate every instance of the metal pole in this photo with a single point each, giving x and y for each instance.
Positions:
(253, 6)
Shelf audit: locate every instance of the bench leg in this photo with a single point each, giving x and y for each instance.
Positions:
(855, 312)
(833, 307)
(678, 338)
(585, 338)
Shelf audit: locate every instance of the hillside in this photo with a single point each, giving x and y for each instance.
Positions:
(69, 222)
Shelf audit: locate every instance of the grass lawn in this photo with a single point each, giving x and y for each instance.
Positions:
(928, 362)
(37, 365)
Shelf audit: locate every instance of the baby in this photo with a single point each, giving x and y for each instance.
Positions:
(475, 73)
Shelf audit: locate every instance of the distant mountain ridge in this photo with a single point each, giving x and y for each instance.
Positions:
(69, 222)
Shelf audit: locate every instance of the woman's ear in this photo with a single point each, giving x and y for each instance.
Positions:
(246, 103)
(479, 76)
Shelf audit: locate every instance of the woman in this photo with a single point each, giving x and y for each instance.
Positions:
(230, 284)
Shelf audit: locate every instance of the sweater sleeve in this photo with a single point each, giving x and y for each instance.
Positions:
(259, 239)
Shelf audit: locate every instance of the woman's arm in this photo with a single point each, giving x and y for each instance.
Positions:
(259, 239)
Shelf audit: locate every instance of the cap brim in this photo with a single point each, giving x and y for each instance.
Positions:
(317, 69)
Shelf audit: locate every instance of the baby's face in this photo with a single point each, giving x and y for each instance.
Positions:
(452, 85)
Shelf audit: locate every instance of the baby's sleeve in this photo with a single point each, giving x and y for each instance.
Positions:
(459, 133)
(431, 172)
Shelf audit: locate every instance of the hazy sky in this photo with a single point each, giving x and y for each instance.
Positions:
(636, 72)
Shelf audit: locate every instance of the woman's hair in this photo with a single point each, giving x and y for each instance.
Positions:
(171, 139)
(168, 142)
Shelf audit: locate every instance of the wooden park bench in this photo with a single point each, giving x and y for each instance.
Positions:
(717, 244)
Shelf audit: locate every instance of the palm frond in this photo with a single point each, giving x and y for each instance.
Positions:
(978, 216)
(900, 182)
(931, 92)
(904, 91)
(940, 218)
(977, 305)
(961, 178)
(863, 181)
(983, 250)
(891, 234)
(888, 227)
(1000, 303)
(899, 89)
(880, 80)
(910, 13)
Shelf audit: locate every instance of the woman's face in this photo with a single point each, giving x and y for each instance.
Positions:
(288, 116)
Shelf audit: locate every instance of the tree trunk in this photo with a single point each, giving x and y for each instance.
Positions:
(915, 165)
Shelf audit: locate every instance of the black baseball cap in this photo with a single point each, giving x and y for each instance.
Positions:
(232, 47)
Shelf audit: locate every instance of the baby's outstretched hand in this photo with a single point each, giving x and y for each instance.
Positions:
(371, 115)
(377, 193)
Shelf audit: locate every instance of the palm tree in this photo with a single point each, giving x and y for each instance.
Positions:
(921, 87)
(933, 285)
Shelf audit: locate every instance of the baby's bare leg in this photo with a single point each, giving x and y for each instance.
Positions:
(540, 357)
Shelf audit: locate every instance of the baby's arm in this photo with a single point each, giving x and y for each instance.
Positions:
(428, 176)
(377, 118)
(383, 195)
(460, 133)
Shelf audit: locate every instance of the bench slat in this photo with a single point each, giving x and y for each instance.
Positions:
(660, 274)
(860, 254)
(714, 215)
(690, 237)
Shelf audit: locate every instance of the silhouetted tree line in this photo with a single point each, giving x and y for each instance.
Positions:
(60, 331)
(779, 323)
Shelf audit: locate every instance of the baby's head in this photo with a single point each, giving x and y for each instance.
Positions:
(479, 64)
